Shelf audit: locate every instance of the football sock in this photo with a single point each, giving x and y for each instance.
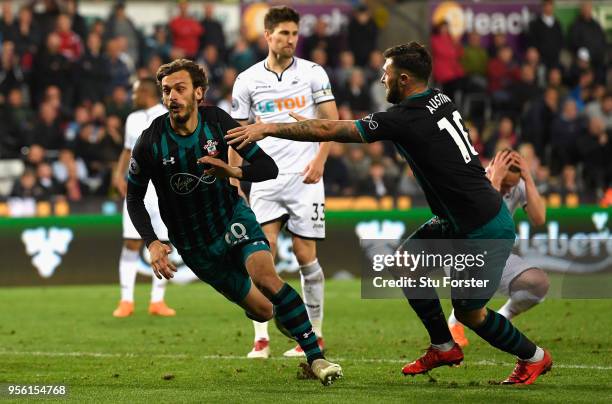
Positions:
(261, 330)
(431, 314)
(452, 320)
(498, 331)
(313, 282)
(447, 346)
(519, 302)
(128, 265)
(290, 311)
(537, 356)
(158, 289)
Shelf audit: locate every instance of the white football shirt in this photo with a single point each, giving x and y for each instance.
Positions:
(516, 197)
(138, 121)
(260, 92)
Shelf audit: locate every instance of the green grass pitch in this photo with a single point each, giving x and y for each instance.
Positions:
(66, 335)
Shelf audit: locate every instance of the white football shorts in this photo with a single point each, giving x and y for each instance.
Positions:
(288, 199)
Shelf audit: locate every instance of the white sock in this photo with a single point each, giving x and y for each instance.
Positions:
(261, 330)
(452, 320)
(158, 289)
(128, 265)
(447, 346)
(313, 283)
(519, 302)
(537, 356)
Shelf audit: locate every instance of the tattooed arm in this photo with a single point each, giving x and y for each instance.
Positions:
(311, 130)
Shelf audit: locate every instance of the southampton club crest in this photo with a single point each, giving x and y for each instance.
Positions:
(211, 148)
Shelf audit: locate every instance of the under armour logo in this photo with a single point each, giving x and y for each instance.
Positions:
(46, 248)
(168, 161)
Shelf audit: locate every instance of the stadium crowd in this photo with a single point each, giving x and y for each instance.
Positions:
(65, 84)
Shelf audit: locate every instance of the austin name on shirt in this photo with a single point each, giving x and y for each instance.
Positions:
(436, 101)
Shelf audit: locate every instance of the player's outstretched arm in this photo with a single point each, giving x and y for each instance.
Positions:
(311, 130)
(535, 208)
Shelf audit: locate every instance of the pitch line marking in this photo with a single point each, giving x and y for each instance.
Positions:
(234, 357)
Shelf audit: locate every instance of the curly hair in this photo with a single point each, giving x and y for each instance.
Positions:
(196, 72)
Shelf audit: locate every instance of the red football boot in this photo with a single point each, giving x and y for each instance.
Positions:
(527, 372)
(432, 359)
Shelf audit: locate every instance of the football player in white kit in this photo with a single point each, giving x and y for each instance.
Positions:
(524, 284)
(146, 96)
(268, 91)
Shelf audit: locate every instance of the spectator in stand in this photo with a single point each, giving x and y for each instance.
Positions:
(580, 65)
(502, 72)
(26, 186)
(53, 97)
(11, 75)
(98, 149)
(358, 163)
(593, 151)
(505, 133)
(70, 172)
(321, 39)
(185, 31)
(532, 58)
(16, 118)
(377, 184)
(98, 27)
(601, 109)
(158, 44)
(362, 34)
(336, 175)
(546, 35)
(45, 17)
(446, 53)
(343, 71)
(408, 184)
(538, 119)
(50, 187)
(119, 103)
(78, 23)
(7, 20)
(569, 183)
(120, 25)
(93, 71)
(81, 118)
(474, 61)
(153, 64)
(46, 131)
(586, 32)
(51, 68)
(378, 152)
(70, 43)
(498, 41)
(564, 131)
(260, 48)
(119, 70)
(214, 65)
(583, 91)
(320, 57)
(555, 80)
(523, 91)
(26, 38)
(355, 94)
(242, 56)
(212, 33)
(373, 71)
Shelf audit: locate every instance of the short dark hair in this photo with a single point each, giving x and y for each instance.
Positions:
(197, 73)
(413, 57)
(151, 85)
(277, 15)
